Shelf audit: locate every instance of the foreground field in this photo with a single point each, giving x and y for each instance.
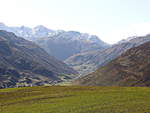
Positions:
(73, 99)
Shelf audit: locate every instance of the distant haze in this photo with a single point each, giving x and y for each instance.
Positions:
(111, 20)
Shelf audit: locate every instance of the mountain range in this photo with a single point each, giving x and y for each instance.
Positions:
(23, 62)
(58, 43)
(45, 56)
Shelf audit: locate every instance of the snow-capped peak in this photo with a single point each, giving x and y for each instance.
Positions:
(2, 24)
(42, 28)
(28, 33)
(41, 31)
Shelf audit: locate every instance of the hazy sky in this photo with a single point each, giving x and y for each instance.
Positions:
(111, 20)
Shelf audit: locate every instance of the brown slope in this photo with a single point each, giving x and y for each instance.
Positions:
(130, 69)
(22, 61)
(88, 62)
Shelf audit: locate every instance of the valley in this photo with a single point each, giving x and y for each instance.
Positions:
(74, 56)
(42, 56)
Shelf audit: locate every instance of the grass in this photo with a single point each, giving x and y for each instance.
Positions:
(75, 99)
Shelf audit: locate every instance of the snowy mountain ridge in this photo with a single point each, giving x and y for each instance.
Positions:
(27, 32)
(41, 31)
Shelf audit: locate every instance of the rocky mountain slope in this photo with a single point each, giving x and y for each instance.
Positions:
(27, 32)
(87, 62)
(132, 68)
(23, 62)
(66, 44)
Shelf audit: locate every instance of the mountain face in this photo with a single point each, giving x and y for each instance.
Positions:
(23, 62)
(132, 68)
(59, 43)
(65, 44)
(28, 33)
(87, 62)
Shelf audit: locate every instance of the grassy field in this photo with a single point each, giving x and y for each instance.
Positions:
(74, 99)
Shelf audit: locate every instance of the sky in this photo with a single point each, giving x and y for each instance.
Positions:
(111, 20)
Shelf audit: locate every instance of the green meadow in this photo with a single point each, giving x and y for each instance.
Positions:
(75, 99)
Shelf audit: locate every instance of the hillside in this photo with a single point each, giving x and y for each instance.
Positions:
(132, 68)
(88, 62)
(23, 62)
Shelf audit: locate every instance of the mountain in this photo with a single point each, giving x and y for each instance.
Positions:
(28, 33)
(58, 43)
(65, 44)
(23, 62)
(88, 62)
(132, 68)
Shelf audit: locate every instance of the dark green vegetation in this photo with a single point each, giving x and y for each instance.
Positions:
(75, 99)
(132, 68)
